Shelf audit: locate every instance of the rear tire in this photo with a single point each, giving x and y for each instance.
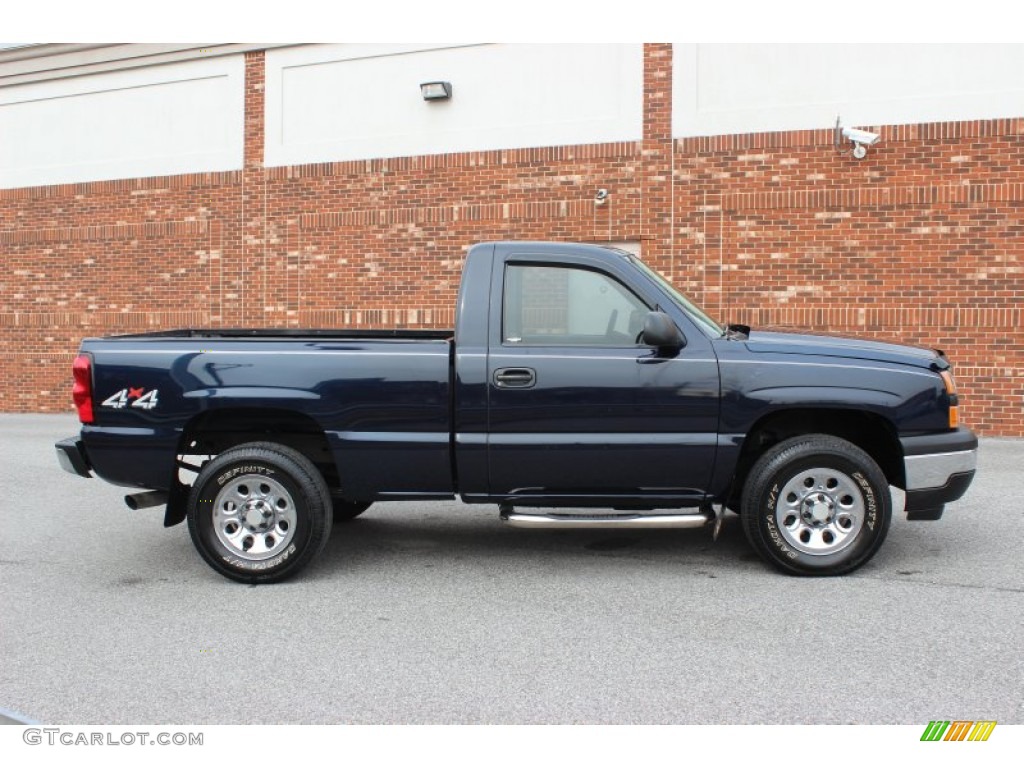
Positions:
(816, 505)
(259, 513)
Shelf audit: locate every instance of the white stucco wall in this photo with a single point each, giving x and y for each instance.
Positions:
(185, 117)
(356, 101)
(735, 88)
(343, 102)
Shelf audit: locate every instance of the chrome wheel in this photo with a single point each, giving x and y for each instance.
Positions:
(820, 511)
(816, 505)
(254, 517)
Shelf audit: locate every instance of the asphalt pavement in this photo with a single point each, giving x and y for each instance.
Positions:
(437, 613)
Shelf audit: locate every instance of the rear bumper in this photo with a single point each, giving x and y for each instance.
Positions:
(72, 457)
(939, 469)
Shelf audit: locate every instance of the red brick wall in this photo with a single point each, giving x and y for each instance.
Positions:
(917, 242)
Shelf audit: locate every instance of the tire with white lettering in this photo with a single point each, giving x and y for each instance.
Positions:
(816, 505)
(259, 513)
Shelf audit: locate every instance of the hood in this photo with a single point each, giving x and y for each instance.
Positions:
(838, 346)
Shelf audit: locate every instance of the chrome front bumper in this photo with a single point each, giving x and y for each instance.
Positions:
(934, 470)
(938, 469)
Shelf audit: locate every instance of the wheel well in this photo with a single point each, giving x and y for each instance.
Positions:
(216, 431)
(868, 431)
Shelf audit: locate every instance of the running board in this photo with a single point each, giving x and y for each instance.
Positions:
(520, 520)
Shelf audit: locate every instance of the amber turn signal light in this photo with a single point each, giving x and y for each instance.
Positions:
(954, 401)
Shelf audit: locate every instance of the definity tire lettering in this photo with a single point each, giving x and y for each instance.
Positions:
(253, 468)
(869, 500)
(261, 565)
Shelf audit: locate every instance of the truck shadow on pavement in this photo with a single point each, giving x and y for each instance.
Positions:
(427, 540)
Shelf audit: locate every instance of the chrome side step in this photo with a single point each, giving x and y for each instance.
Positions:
(552, 522)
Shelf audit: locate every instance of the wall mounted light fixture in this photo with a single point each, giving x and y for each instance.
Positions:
(438, 90)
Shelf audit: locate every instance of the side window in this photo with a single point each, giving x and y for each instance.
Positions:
(569, 306)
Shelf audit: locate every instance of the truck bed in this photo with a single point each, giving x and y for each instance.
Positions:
(378, 398)
(294, 333)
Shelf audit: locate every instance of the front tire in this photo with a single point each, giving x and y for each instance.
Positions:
(816, 505)
(259, 513)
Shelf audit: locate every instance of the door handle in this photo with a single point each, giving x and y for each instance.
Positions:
(515, 378)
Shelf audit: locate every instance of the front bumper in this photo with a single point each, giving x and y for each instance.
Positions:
(72, 457)
(939, 469)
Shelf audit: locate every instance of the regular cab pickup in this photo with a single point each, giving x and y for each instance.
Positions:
(578, 389)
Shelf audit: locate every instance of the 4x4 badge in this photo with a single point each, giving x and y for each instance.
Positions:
(141, 398)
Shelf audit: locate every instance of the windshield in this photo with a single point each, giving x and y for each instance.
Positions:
(706, 324)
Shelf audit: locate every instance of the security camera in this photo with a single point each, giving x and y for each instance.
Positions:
(601, 197)
(861, 140)
(857, 136)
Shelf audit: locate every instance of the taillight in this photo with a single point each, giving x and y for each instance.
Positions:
(954, 400)
(81, 393)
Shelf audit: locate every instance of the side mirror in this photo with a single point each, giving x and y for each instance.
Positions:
(659, 331)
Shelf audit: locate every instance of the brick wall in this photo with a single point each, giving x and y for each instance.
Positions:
(918, 242)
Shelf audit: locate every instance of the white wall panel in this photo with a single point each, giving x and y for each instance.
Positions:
(733, 88)
(344, 102)
(176, 118)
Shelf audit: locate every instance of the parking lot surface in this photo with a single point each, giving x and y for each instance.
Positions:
(436, 613)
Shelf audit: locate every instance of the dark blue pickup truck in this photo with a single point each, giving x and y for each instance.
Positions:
(578, 389)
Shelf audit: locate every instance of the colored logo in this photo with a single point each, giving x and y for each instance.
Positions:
(958, 730)
(143, 399)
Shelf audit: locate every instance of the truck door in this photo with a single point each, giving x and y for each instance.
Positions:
(580, 411)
